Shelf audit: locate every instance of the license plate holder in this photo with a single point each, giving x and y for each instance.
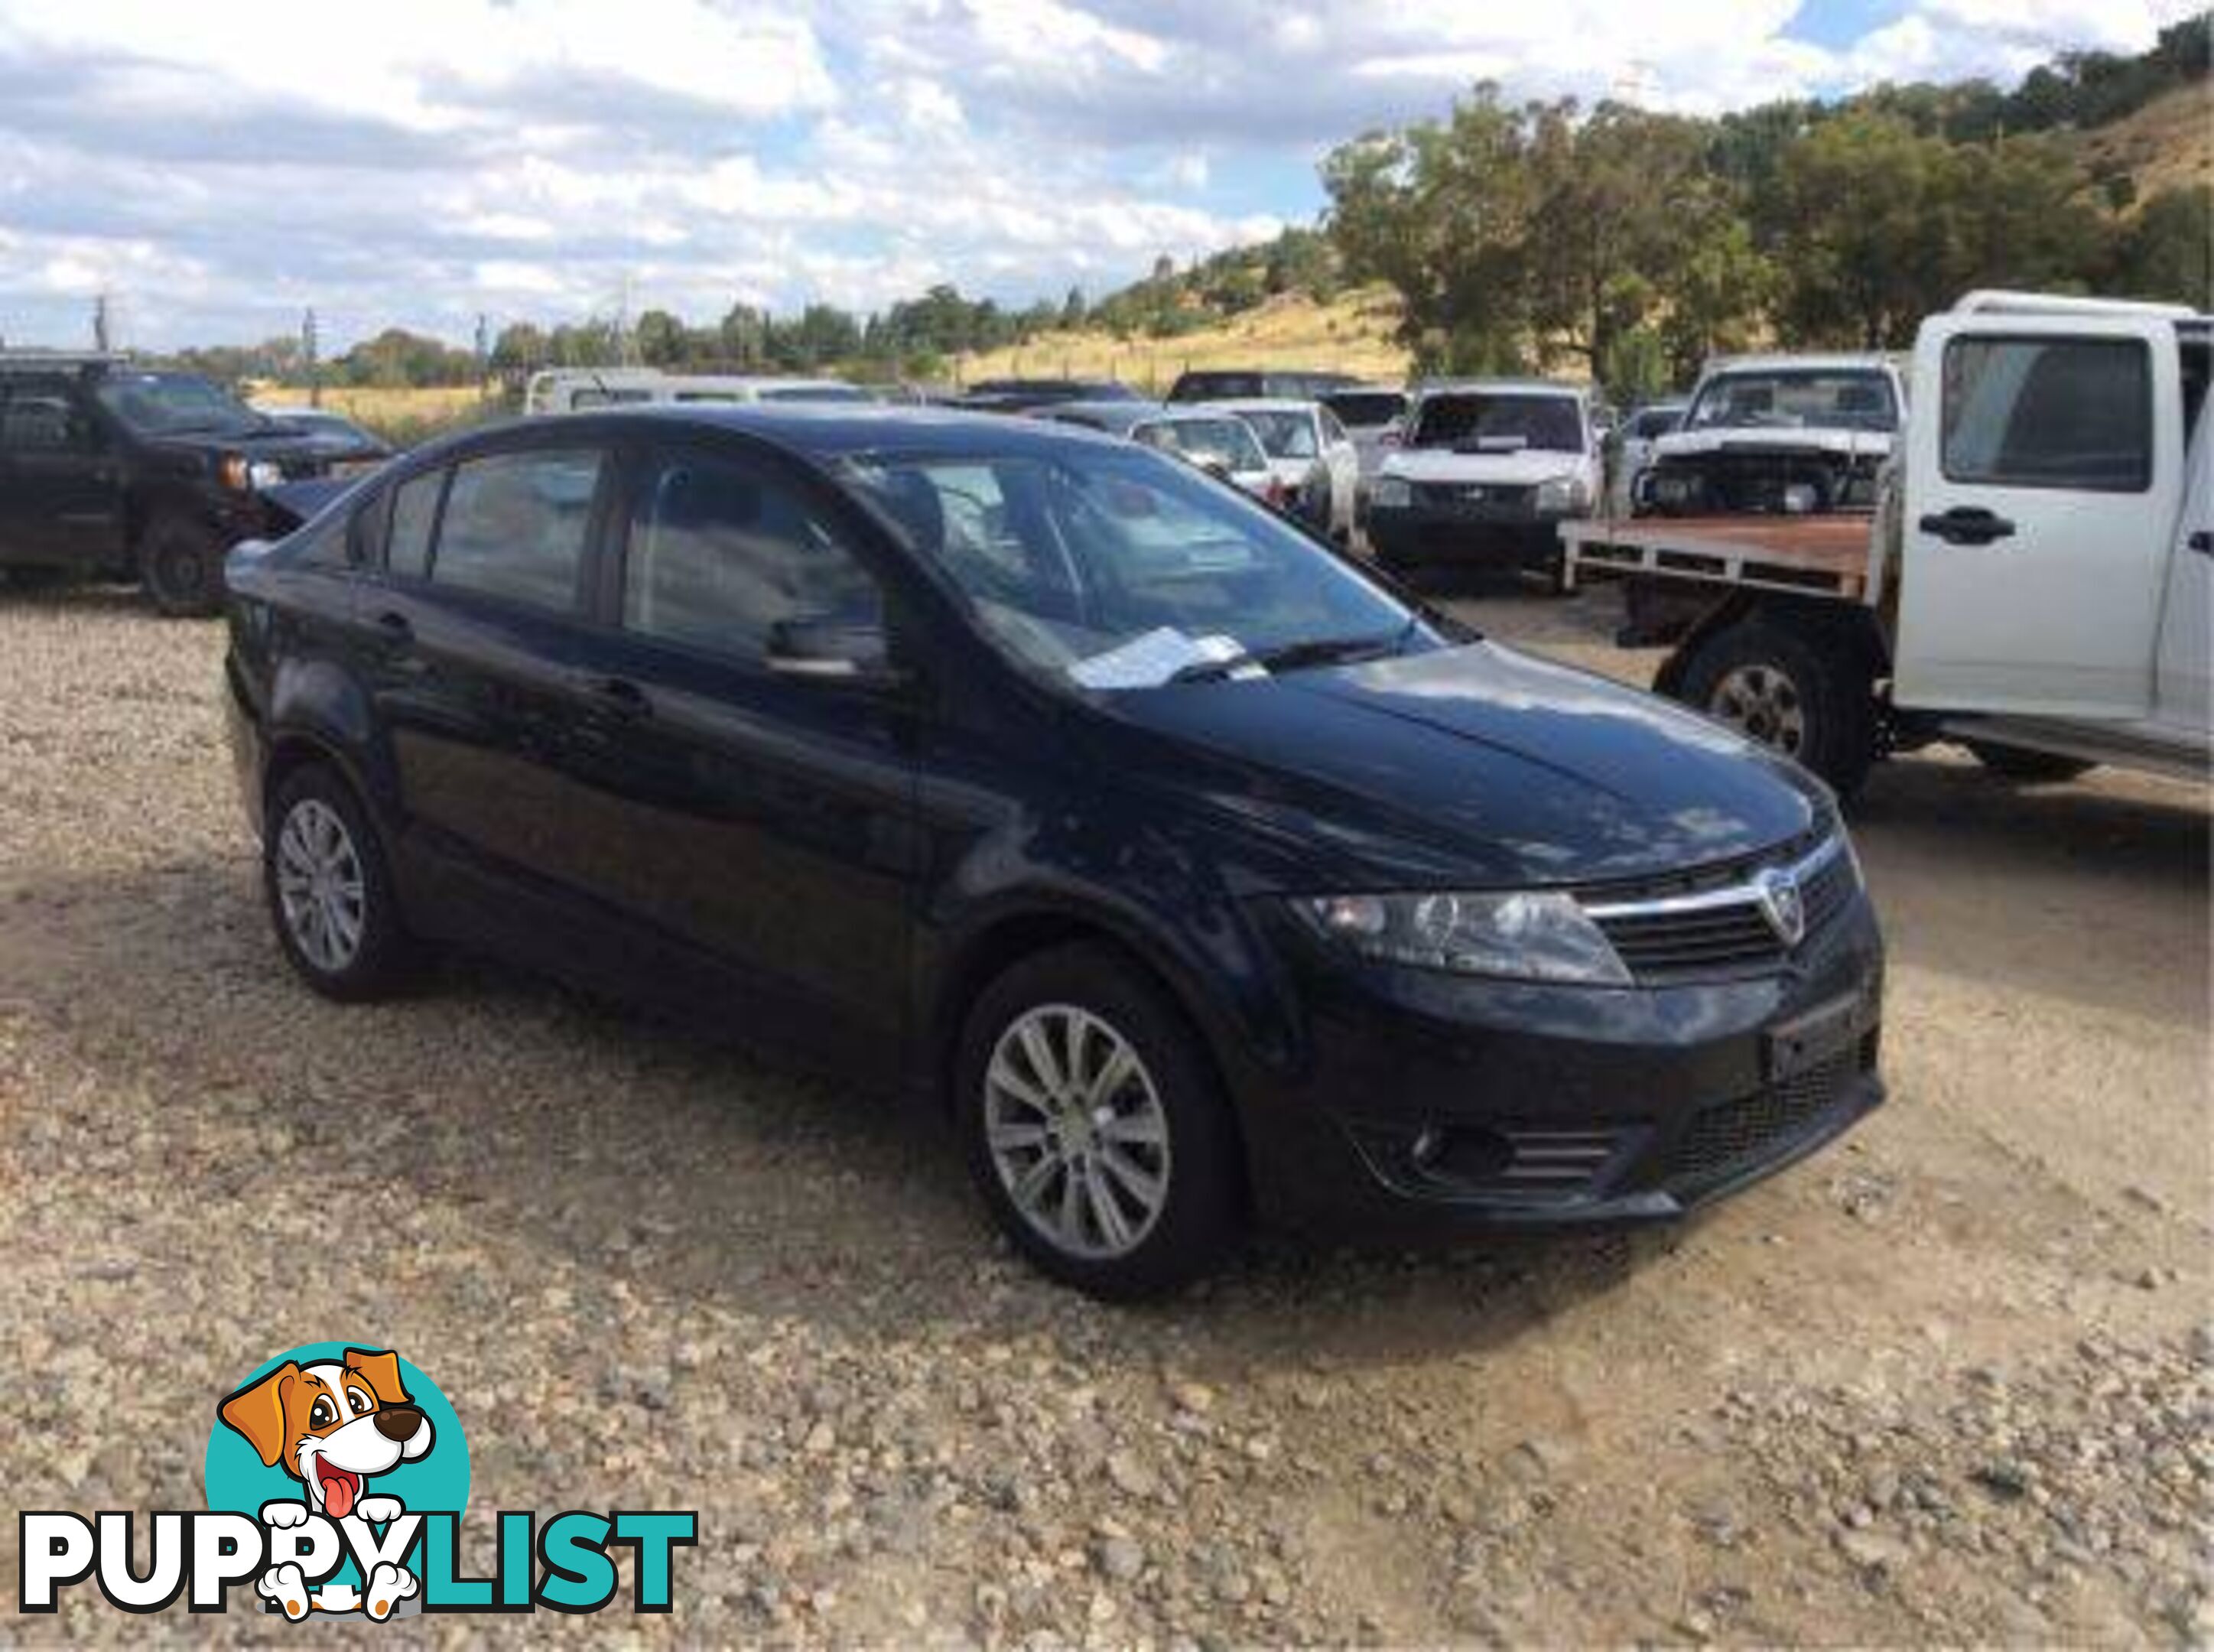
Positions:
(1807, 1040)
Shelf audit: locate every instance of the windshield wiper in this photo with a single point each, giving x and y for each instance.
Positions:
(1299, 656)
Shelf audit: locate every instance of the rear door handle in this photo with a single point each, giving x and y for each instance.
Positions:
(614, 696)
(1967, 524)
(2202, 542)
(394, 627)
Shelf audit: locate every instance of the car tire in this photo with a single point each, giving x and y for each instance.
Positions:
(181, 565)
(1813, 704)
(330, 893)
(1043, 1150)
(2029, 767)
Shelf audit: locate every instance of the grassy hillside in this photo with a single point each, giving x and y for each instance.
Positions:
(2166, 144)
(1351, 333)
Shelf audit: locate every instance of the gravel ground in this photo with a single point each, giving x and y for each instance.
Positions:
(1952, 1380)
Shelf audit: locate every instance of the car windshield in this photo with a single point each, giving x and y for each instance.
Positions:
(1363, 408)
(176, 404)
(1119, 569)
(1229, 443)
(1837, 398)
(1498, 421)
(1285, 433)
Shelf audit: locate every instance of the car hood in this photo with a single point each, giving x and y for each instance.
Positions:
(1476, 764)
(1687, 444)
(1526, 468)
(287, 448)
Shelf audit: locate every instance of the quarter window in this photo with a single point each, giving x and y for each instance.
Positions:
(720, 554)
(515, 525)
(2048, 413)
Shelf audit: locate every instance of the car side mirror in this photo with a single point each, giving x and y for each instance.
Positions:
(854, 652)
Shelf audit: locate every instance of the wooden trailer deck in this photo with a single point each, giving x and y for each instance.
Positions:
(1817, 555)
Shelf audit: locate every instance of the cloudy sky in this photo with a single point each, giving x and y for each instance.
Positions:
(218, 167)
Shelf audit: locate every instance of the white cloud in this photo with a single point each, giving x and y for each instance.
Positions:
(423, 160)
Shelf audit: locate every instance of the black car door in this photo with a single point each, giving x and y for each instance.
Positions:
(61, 496)
(472, 631)
(763, 795)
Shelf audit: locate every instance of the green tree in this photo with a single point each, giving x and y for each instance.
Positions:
(2167, 251)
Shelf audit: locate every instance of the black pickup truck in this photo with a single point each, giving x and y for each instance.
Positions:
(110, 471)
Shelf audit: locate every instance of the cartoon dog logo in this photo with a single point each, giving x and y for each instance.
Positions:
(332, 1426)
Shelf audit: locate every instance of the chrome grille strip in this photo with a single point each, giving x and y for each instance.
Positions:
(1742, 894)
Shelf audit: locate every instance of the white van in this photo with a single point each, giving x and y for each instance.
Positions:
(578, 390)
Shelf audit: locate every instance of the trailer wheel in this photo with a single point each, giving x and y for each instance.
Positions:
(1813, 701)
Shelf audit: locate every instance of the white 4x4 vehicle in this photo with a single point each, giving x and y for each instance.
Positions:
(2035, 585)
(1487, 472)
(1778, 434)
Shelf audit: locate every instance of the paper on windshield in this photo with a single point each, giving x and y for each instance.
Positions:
(1149, 661)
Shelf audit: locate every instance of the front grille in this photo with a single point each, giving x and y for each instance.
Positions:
(1732, 1135)
(1473, 499)
(1718, 925)
(1721, 938)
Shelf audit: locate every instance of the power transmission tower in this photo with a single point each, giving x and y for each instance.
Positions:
(99, 330)
(310, 337)
(484, 356)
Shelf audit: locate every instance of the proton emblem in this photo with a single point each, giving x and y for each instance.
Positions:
(1473, 493)
(1780, 904)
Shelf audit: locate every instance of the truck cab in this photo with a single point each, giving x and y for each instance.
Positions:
(2052, 556)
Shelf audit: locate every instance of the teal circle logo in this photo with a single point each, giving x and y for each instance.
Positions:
(338, 1430)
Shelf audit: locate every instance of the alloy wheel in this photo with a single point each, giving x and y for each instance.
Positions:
(1076, 1131)
(321, 886)
(1764, 703)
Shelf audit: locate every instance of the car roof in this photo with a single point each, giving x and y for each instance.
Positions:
(1816, 361)
(824, 431)
(1503, 386)
(1255, 404)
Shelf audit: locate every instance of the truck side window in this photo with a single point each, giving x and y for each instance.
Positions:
(2048, 413)
(37, 417)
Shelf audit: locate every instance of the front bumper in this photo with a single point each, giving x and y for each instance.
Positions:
(1415, 537)
(1430, 1103)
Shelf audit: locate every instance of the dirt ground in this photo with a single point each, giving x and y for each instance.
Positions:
(1952, 1379)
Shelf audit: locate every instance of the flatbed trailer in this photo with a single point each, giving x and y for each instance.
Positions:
(1812, 555)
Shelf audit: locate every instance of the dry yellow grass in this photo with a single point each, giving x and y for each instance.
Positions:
(382, 406)
(1351, 334)
(2167, 144)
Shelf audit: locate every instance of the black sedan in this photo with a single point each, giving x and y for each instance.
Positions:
(1194, 874)
(343, 445)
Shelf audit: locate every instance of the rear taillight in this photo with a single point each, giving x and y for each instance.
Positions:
(1275, 493)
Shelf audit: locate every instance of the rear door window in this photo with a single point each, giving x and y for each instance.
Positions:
(515, 525)
(2048, 413)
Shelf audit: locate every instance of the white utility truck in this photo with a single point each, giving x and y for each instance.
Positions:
(2034, 581)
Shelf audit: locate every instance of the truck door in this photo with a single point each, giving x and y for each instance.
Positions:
(2182, 692)
(61, 501)
(2044, 472)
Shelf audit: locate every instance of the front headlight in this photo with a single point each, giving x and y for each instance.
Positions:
(1392, 493)
(1527, 935)
(263, 474)
(1558, 495)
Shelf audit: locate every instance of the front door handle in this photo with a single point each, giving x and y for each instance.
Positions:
(1967, 524)
(2202, 542)
(614, 696)
(394, 627)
